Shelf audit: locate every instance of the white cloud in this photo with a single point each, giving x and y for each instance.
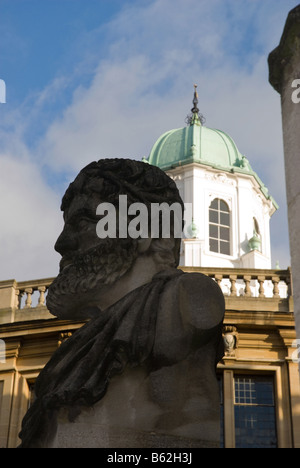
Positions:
(30, 221)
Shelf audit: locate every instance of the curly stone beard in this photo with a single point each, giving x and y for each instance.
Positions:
(72, 294)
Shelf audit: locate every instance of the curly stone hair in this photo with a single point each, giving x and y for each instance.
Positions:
(139, 181)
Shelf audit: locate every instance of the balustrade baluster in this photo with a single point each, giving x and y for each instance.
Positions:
(261, 290)
(28, 301)
(42, 290)
(275, 281)
(233, 289)
(219, 279)
(247, 280)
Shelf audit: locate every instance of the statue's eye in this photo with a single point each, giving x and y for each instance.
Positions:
(83, 224)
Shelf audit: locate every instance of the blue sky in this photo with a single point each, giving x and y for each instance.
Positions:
(88, 79)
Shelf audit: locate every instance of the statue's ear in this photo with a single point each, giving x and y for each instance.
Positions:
(144, 244)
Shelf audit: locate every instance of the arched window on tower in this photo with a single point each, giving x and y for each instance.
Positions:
(219, 227)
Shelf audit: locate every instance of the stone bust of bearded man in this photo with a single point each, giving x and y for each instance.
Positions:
(142, 371)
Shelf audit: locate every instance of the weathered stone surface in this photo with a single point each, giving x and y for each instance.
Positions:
(141, 372)
(175, 406)
(284, 68)
(280, 59)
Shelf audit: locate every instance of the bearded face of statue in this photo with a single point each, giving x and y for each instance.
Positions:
(89, 265)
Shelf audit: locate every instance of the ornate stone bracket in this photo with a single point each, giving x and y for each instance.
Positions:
(230, 338)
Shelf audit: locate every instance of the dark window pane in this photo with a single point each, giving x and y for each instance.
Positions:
(264, 392)
(224, 206)
(255, 427)
(213, 245)
(213, 231)
(255, 420)
(224, 234)
(214, 204)
(213, 216)
(224, 219)
(225, 248)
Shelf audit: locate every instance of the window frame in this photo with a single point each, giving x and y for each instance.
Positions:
(219, 227)
(281, 399)
(245, 396)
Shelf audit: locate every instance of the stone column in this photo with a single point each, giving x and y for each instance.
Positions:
(284, 76)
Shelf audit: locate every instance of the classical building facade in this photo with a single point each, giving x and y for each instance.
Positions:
(259, 380)
(228, 240)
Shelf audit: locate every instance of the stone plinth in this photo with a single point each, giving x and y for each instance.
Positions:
(175, 407)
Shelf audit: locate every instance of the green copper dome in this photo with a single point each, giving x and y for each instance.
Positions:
(199, 144)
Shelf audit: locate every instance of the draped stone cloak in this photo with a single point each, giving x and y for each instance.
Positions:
(156, 326)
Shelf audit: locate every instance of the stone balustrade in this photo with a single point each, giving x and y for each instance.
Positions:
(31, 293)
(250, 282)
(21, 301)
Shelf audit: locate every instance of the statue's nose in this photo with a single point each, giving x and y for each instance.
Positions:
(66, 242)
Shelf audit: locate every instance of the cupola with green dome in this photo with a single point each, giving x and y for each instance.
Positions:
(197, 143)
(227, 200)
